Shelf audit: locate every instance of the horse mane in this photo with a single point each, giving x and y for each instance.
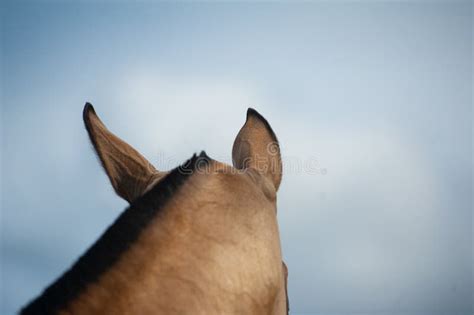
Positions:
(115, 241)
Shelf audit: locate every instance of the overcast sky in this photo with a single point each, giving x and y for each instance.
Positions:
(371, 103)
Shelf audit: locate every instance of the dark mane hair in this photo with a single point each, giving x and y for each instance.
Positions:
(115, 241)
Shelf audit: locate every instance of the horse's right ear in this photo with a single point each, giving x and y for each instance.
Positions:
(129, 172)
(256, 146)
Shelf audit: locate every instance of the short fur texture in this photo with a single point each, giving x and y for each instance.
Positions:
(201, 239)
(113, 243)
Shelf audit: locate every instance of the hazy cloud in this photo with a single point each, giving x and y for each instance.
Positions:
(371, 104)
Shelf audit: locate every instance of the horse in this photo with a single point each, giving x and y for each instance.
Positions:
(202, 238)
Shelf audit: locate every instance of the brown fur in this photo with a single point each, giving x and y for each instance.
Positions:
(213, 249)
(200, 256)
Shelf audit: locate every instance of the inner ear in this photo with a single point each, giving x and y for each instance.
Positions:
(129, 172)
(256, 146)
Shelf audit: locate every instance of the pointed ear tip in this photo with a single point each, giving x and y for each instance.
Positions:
(88, 109)
(88, 106)
(252, 112)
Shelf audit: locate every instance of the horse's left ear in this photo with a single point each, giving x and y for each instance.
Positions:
(129, 172)
(256, 146)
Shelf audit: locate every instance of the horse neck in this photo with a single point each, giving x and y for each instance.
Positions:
(194, 257)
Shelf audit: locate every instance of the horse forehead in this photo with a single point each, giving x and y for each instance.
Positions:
(217, 180)
(248, 178)
(221, 177)
(225, 179)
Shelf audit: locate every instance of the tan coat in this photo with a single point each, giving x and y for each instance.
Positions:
(212, 248)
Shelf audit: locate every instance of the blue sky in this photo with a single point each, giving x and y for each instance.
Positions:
(372, 103)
